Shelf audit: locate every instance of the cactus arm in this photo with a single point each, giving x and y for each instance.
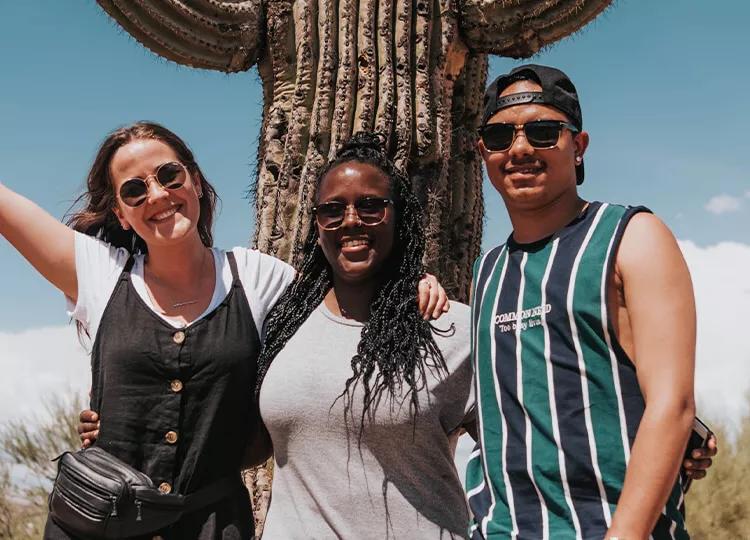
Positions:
(520, 28)
(222, 35)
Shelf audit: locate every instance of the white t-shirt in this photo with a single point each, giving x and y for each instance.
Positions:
(99, 265)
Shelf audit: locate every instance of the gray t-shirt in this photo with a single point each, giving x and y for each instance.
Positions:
(400, 481)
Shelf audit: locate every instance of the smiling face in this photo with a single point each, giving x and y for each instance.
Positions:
(166, 216)
(356, 252)
(527, 177)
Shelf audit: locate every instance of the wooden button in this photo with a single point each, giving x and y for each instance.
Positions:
(176, 385)
(165, 488)
(171, 437)
(178, 337)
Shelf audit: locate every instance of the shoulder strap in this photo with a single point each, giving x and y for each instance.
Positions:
(128, 267)
(233, 266)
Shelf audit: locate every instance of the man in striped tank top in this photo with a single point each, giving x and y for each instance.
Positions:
(583, 340)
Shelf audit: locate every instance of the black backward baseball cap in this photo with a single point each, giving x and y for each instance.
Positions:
(558, 91)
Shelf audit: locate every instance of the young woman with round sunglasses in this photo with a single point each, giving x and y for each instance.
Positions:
(175, 323)
(361, 396)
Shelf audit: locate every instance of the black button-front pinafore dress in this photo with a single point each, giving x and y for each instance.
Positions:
(178, 404)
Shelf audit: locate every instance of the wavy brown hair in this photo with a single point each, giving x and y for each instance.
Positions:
(92, 212)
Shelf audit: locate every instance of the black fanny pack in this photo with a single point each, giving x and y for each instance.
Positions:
(97, 495)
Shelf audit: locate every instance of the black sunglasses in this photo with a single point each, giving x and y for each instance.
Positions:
(171, 175)
(540, 134)
(370, 211)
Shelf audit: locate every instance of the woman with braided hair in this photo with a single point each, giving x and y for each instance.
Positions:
(359, 393)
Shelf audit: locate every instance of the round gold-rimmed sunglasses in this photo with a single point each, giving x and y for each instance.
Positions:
(171, 175)
(370, 211)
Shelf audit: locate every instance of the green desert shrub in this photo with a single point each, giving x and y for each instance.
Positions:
(30, 444)
(718, 507)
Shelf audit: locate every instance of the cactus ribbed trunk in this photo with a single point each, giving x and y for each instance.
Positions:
(413, 70)
(389, 65)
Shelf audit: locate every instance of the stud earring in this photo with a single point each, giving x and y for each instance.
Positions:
(578, 159)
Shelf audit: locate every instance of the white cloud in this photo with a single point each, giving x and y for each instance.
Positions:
(722, 292)
(38, 364)
(721, 204)
(747, 194)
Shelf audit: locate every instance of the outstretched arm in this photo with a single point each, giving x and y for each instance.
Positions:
(45, 242)
(223, 35)
(519, 29)
(660, 305)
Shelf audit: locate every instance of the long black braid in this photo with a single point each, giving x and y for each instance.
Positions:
(397, 344)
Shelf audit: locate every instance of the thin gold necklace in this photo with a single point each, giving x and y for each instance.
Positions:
(185, 303)
(160, 282)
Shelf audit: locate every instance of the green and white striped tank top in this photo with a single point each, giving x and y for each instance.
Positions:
(558, 400)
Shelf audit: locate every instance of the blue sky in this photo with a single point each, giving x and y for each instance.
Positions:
(663, 87)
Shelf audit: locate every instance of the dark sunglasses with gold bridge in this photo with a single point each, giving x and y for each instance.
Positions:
(540, 134)
(370, 211)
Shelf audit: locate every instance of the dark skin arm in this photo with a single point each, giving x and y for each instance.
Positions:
(88, 427)
(698, 466)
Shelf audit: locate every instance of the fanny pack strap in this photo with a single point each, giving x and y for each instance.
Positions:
(208, 495)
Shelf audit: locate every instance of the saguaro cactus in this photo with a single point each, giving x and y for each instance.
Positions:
(414, 70)
(411, 69)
